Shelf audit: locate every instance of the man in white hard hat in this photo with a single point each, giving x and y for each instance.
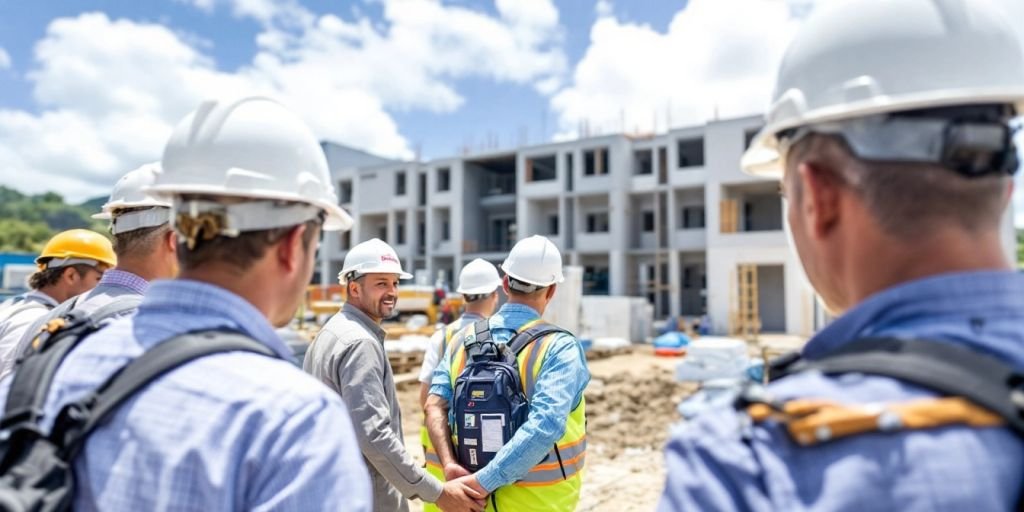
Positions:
(890, 134)
(146, 249)
(71, 263)
(541, 467)
(348, 356)
(479, 283)
(250, 192)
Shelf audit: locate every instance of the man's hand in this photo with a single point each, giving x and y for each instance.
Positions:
(454, 471)
(459, 496)
(474, 484)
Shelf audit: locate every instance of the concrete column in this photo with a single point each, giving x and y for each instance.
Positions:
(674, 280)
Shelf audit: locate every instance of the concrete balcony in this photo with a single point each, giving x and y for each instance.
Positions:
(690, 239)
(593, 242)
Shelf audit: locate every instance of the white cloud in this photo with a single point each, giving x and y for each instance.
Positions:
(5, 59)
(107, 104)
(716, 57)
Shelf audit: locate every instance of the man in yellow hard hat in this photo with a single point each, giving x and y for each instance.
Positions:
(71, 263)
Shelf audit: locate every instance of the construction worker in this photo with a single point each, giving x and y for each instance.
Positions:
(348, 356)
(250, 191)
(541, 467)
(890, 133)
(479, 283)
(146, 249)
(72, 262)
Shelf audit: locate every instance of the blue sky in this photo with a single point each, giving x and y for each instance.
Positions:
(490, 108)
(92, 88)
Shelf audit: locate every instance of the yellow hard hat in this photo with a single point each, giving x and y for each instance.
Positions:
(77, 246)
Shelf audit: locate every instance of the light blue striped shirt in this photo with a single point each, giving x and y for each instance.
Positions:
(233, 431)
(559, 389)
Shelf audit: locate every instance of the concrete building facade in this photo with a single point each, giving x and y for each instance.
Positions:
(669, 217)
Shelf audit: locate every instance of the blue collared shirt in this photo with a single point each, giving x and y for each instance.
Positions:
(717, 462)
(233, 431)
(559, 389)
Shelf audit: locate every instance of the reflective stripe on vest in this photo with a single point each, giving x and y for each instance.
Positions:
(545, 487)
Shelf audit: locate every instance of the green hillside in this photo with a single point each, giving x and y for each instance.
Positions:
(28, 221)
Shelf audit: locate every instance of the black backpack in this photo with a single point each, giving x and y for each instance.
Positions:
(489, 402)
(35, 467)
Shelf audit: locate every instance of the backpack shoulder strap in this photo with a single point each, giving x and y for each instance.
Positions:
(118, 307)
(946, 368)
(152, 364)
(31, 382)
(535, 332)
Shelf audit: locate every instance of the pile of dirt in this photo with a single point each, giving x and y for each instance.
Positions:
(631, 411)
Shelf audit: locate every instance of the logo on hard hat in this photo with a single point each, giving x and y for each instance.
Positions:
(388, 257)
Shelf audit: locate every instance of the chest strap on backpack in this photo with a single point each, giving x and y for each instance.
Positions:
(975, 390)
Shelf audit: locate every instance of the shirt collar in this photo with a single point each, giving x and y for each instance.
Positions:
(357, 314)
(42, 297)
(124, 279)
(188, 297)
(470, 317)
(955, 296)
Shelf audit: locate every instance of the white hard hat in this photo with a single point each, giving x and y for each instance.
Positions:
(251, 148)
(854, 59)
(478, 277)
(534, 260)
(371, 257)
(128, 194)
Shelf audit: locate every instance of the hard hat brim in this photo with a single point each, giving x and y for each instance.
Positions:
(479, 290)
(762, 158)
(337, 219)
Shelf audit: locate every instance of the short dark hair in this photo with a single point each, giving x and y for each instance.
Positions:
(50, 276)
(908, 200)
(478, 297)
(139, 242)
(240, 251)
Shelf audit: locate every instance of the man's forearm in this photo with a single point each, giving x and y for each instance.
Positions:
(437, 428)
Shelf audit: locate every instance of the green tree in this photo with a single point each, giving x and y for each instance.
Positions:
(20, 236)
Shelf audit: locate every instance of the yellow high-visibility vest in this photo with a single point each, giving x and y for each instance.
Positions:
(433, 462)
(553, 484)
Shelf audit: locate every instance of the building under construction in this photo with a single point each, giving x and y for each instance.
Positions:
(669, 217)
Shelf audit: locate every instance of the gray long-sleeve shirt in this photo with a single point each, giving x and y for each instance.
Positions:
(348, 356)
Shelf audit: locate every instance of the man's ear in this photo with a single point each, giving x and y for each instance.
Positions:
(290, 250)
(551, 291)
(171, 241)
(70, 275)
(820, 198)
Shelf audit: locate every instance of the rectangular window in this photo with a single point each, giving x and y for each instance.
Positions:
(400, 183)
(444, 177)
(693, 217)
(691, 152)
(445, 230)
(553, 225)
(400, 233)
(595, 162)
(541, 168)
(597, 222)
(642, 162)
(345, 191)
(382, 232)
(648, 221)
(345, 240)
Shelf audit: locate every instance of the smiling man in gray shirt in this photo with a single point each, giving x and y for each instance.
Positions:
(348, 356)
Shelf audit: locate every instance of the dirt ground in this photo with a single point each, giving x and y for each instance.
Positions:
(631, 403)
